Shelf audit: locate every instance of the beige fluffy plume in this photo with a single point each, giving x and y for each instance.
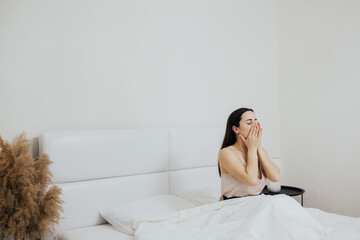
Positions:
(30, 205)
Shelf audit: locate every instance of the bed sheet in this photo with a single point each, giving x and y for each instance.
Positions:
(105, 231)
(257, 217)
(332, 226)
(337, 226)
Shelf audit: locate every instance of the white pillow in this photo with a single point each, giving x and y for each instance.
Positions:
(200, 196)
(123, 217)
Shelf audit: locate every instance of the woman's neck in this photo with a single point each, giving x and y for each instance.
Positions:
(240, 145)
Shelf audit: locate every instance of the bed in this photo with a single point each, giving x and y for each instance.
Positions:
(172, 174)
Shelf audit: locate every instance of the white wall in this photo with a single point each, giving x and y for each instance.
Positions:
(128, 64)
(319, 63)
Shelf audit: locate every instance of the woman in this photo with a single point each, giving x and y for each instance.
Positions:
(244, 166)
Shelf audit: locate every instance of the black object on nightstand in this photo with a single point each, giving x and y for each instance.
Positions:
(290, 191)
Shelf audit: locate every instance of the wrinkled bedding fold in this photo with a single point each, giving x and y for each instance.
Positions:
(256, 217)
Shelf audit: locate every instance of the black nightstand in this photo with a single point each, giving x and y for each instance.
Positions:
(290, 191)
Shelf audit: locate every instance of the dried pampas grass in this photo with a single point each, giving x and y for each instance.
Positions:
(29, 205)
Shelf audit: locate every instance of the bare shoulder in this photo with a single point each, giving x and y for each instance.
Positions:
(230, 161)
(225, 152)
(228, 153)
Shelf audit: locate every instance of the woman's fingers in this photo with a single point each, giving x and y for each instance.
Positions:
(251, 130)
(256, 131)
(260, 137)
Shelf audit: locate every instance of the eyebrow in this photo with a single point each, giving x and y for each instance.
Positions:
(250, 119)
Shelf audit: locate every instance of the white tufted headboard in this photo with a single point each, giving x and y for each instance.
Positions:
(101, 168)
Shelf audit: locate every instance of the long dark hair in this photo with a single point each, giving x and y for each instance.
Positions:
(230, 136)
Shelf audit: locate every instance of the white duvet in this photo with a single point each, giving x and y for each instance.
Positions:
(258, 217)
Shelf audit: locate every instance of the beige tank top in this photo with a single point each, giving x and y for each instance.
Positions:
(231, 187)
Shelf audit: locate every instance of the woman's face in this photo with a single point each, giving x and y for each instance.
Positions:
(247, 119)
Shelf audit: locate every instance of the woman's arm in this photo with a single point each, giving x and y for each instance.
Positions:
(272, 171)
(233, 165)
